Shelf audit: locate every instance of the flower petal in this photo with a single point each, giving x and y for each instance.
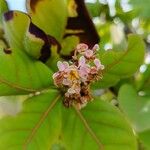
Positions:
(62, 65)
(82, 47)
(89, 53)
(82, 61)
(97, 63)
(55, 75)
(96, 47)
(71, 91)
(66, 82)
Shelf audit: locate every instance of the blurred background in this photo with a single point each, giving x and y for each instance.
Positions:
(17, 4)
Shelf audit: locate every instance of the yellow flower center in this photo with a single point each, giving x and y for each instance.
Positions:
(73, 75)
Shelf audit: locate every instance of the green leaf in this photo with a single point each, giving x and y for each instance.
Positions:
(3, 9)
(137, 108)
(144, 137)
(29, 38)
(68, 45)
(119, 64)
(15, 24)
(142, 7)
(97, 126)
(35, 40)
(19, 74)
(94, 8)
(45, 124)
(35, 128)
(2, 44)
(143, 79)
(49, 15)
(41, 46)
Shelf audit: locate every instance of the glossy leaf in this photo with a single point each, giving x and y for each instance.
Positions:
(121, 64)
(98, 126)
(19, 74)
(35, 128)
(49, 15)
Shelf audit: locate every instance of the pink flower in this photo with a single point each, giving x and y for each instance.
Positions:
(76, 76)
(62, 66)
(66, 82)
(82, 47)
(84, 71)
(82, 61)
(58, 78)
(89, 53)
(96, 47)
(98, 64)
(84, 68)
(55, 75)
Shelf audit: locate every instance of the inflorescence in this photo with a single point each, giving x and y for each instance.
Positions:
(74, 78)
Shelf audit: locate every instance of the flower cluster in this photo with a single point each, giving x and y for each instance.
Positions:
(75, 77)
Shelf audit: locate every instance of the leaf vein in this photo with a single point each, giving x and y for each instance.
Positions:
(39, 123)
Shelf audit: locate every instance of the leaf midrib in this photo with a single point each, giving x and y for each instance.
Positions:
(39, 123)
(89, 130)
(15, 86)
